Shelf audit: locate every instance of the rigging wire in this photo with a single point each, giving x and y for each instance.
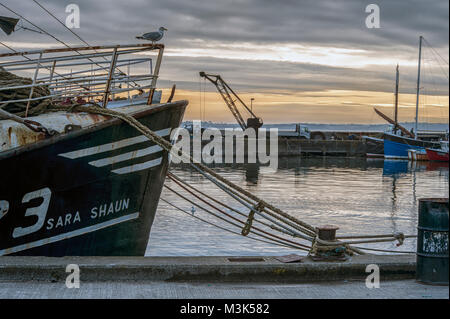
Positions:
(8, 47)
(445, 61)
(47, 33)
(52, 36)
(430, 77)
(34, 25)
(21, 27)
(424, 91)
(51, 14)
(436, 53)
(73, 32)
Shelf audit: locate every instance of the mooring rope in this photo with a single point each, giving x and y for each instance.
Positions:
(249, 200)
(18, 89)
(372, 236)
(299, 246)
(386, 250)
(173, 176)
(269, 241)
(253, 209)
(251, 205)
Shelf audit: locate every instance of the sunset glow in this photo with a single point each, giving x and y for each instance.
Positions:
(333, 107)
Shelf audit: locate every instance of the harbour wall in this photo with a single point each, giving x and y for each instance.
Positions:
(302, 147)
(204, 269)
(298, 147)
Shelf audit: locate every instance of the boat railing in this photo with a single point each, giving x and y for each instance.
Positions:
(96, 74)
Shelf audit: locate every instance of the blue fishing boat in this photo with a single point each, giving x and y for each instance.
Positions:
(397, 146)
(395, 142)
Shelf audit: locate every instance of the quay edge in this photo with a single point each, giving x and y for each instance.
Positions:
(203, 269)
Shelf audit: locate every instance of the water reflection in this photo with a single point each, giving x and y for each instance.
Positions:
(394, 167)
(252, 173)
(360, 196)
(398, 169)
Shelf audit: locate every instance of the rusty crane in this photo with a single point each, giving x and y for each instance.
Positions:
(230, 98)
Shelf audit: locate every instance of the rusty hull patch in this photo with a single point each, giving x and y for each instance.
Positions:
(59, 121)
(13, 134)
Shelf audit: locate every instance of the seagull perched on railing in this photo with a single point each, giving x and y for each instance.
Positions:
(153, 36)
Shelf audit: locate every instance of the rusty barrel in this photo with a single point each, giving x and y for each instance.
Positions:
(432, 241)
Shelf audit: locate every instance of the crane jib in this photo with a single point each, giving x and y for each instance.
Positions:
(227, 94)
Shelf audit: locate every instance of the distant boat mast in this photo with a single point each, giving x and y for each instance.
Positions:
(396, 101)
(418, 87)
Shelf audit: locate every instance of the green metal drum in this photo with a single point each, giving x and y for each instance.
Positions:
(432, 241)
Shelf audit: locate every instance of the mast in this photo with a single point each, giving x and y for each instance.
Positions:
(418, 87)
(396, 102)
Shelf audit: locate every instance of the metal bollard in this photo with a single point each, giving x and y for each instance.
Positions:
(432, 241)
(328, 232)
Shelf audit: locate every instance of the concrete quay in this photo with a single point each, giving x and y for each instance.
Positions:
(254, 292)
(203, 269)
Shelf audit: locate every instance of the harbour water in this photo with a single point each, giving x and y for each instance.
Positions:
(361, 196)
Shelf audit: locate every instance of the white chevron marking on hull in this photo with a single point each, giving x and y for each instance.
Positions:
(111, 146)
(138, 167)
(126, 156)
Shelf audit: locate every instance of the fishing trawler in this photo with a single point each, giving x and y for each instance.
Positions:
(73, 182)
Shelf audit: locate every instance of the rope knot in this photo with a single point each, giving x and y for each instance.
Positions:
(251, 216)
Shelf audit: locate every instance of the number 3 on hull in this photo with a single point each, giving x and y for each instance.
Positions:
(39, 211)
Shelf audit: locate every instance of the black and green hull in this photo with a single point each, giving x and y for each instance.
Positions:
(92, 192)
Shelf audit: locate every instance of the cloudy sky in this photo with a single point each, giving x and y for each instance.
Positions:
(301, 60)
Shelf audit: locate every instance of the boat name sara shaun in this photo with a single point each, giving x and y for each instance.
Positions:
(96, 212)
